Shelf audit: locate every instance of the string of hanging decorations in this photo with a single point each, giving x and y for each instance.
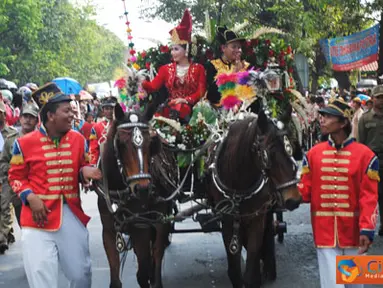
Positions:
(132, 52)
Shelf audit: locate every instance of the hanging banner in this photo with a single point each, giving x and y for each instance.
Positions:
(351, 52)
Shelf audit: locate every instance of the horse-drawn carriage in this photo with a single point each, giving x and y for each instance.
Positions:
(235, 166)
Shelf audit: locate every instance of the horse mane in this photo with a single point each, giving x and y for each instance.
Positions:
(236, 165)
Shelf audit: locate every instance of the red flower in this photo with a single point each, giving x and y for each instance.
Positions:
(282, 54)
(248, 44)
(147, 65)
(291, 70)
(254, 42)
(209, 54)
(249, 52)
(132, 52)
(265, 64)
(143, 54)
(271, 53)
(289, 50)
(164, 49)
(282, 63)
(120, 83)
(267, 42)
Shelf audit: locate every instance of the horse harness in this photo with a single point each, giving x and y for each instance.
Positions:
(234, 197)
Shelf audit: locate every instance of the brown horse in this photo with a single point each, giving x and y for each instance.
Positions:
(253, 169)
(130, 203)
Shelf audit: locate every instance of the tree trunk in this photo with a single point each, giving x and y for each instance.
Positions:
(343, 79)
(314, 82)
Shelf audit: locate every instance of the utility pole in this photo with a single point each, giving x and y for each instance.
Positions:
(380, 55)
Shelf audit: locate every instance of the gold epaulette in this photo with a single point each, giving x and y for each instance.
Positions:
(17, 160)
(92, 137)
(373, 175)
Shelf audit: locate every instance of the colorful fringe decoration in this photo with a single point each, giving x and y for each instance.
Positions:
(234, 89)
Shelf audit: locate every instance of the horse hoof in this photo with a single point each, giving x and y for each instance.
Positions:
(3, 248)
(11, 238)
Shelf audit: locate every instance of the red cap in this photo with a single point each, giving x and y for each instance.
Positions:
(182, 33)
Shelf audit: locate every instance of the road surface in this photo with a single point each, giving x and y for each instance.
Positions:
(192, 260)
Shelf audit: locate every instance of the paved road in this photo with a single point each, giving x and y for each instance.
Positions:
(193, 260)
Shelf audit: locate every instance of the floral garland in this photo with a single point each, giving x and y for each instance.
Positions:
(187, 138)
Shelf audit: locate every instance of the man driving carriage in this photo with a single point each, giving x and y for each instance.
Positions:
(229, 62)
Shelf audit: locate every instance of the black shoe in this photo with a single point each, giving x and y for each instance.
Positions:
(380, 233)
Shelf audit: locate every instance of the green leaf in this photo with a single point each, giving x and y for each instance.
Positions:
(183, 159)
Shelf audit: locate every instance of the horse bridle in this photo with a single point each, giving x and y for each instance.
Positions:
(138, 141)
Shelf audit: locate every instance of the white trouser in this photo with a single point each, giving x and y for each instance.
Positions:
(68, 247)
(327, 267)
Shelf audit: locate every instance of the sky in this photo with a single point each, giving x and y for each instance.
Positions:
(110, 14)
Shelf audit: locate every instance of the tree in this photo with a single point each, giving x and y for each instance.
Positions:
(49, 38)
(306, 21)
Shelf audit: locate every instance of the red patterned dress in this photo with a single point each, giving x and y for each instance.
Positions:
(188, 83)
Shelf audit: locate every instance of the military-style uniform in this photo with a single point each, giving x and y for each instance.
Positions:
(97, 137)
(51, 170)
(340, 183)
(8, 196)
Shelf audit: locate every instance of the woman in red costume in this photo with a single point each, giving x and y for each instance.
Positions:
(185, 81)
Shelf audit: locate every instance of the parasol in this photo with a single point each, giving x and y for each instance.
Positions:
(68, 85)
(363, 97)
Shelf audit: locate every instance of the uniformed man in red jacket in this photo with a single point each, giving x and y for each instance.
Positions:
(45, 171)
(100, 129)
(339, 180)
